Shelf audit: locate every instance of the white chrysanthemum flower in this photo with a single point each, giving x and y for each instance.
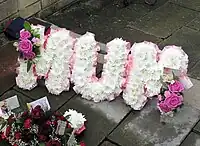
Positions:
(83, 73)
(174, 57)
(76, 119)
(25, 80)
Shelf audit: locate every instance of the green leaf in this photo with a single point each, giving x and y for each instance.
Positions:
(41, 144)
(27, 26)
(36, 35)
(29, 64)
(36, 50)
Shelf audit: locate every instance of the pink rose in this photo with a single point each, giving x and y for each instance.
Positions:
(167, 94)
(173, 101)
(24, 34)
(176, 87)
(29, 55)
(25, 46)
(160, 97)
(163, 107)
(36, 40)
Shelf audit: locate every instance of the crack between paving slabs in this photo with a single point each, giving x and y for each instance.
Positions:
(195, 131)
(183, 6)
(10, 88)
(191, 130)
(34, 99)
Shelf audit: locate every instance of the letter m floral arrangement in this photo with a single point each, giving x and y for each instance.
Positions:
(40, 128)
(29, 44)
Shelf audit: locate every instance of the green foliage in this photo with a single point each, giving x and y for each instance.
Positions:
(36, 50)
(42, 144)
(27, 26)
(29, 64)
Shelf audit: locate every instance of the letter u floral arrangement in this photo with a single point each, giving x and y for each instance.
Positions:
(141, 71)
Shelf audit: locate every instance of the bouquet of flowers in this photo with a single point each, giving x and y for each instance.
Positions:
(29, 44)
(171, 97)
(39, 128)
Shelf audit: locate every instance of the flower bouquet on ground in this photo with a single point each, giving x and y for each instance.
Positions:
(29, 44)
(170, 98)
(39, 128)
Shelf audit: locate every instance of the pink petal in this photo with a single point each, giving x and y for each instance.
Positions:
(167, 94)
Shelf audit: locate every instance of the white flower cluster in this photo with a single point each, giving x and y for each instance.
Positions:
(144, 77)
(59, 76)
(85, 57)
(174, 57)
(75, 119)
(25, 80)
(109, 86)
(44, 63)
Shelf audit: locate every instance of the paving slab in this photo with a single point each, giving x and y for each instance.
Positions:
(192, 139)
(145, 128)
(107, 23)
(102, 117)
(8, 64)
(192, 96)
(165, 20)
(114, 9)
(107, 143)
(194, 4)
(189, 40)
(21, 98)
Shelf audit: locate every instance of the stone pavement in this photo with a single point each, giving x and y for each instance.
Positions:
(114, 123)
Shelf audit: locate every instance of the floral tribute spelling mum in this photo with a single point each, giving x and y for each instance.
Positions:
(39, 128)
(29, 44)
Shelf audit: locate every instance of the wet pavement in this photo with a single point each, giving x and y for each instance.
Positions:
(114, 123)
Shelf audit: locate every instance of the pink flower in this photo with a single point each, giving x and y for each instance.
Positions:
(167, 94)
(36, 41)
(24, 34)
(160, 97)
(176, 87)
(29, 55)
(173, 100)
(25, 46)
(79, 131)
(163, 107)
